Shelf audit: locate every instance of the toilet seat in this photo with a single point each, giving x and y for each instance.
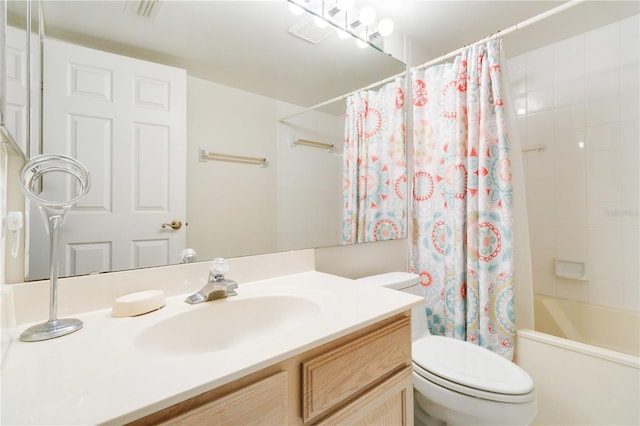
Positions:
(471, 370)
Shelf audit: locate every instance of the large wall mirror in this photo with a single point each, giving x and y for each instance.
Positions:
(245, 70)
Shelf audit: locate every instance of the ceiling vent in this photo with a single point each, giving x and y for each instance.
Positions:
(143, 8)
(307, 30)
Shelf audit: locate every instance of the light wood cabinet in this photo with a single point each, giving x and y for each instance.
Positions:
(262, 403)
(390, 403)
(336, 376)
(363, 378)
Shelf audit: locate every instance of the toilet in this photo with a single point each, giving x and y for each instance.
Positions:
(456, 382)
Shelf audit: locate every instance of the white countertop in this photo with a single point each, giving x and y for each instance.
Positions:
(100, 375)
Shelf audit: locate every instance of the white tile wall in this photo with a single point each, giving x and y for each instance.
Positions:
(311, 174)
(581, 98)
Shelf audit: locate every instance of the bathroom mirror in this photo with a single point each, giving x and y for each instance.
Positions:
(245, 70)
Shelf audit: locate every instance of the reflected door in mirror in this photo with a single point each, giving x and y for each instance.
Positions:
(17, 81)
(125, 119)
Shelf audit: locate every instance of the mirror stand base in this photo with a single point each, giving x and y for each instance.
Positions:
(51, 329)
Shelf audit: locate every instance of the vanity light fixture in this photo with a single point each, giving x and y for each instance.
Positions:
(334, 10)
(341, 6)
(385, 28)
(359, 23)
(367, 15)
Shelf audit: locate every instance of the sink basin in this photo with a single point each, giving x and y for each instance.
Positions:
(227, 323)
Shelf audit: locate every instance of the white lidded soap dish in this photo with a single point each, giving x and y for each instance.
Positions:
(138, 303)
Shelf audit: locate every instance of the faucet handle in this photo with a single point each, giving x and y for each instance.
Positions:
(188, 255)
(219, 266)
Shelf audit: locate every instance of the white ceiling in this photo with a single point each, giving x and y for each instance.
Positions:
(245, 44)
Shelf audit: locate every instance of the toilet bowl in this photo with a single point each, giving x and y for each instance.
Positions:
(456, 382)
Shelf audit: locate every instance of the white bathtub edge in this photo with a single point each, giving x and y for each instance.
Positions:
(606, 354)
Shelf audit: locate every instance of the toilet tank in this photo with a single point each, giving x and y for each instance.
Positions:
(408, 283)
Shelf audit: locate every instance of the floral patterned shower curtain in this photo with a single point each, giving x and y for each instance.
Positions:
(462, 199)
(374, 166)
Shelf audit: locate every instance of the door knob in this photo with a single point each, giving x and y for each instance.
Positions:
(176, 224)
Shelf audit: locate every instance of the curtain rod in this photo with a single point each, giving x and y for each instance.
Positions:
(338, 98)
(514, 28)
(446, 56)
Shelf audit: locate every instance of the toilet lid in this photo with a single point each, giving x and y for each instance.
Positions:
(465, 364)
(394, 280)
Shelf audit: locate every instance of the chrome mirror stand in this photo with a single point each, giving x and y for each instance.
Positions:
(54, 206)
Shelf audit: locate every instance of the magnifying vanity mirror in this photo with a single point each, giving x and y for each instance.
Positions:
(54, 203)
(177, 79)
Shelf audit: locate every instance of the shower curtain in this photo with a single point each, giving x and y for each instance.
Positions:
(374, 166)
(462, 245)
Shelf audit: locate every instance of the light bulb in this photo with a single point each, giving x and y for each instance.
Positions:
(342, 34)
(320, 23)
(385, 27)
(295, 9)
(367, 15)
(345, 4)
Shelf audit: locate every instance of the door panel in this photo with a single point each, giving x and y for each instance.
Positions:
(152, 155)
(16, 85)
(91, 142)
(85, 258)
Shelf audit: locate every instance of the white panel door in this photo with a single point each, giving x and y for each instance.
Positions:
(16, 85)
(125, 119)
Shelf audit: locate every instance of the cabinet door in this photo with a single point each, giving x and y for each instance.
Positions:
(337, 376)
(390, 403)
(262, 403)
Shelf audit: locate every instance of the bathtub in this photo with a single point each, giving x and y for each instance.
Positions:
(584, 363)
(609, 328)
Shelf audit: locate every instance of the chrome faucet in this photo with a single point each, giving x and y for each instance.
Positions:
(218, 286)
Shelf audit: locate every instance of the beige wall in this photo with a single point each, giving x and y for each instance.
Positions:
(221, 194)
(236, 209)
(359, 260)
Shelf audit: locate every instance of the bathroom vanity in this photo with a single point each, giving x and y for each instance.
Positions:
(362, 378)
(305, 348)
